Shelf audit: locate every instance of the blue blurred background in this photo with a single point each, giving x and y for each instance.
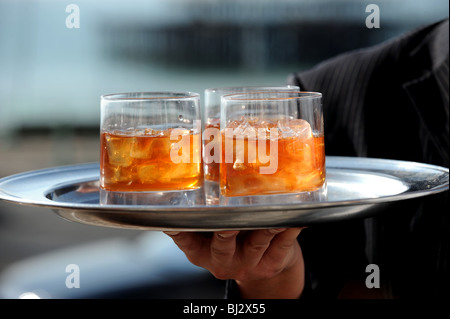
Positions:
(52, 75)
(51, 78)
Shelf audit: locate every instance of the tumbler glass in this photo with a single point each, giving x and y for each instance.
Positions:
(151, 149)
(272, 148)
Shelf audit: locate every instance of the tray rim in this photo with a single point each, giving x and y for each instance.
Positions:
(48, 203)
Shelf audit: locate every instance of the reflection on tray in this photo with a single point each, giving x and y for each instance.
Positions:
(343, 185)
(87, 193)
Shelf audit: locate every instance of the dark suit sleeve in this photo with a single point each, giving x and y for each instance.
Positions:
(387, 101)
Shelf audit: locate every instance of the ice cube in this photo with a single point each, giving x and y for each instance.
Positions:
(233, 124)
(120, 174)
(300, 149)
(141, 148)
(148, 173)
(161, 148)
(118, 149)
(239, 165)
(244, 128)
(149, 131)
(180, 171)
(272, 184)
(295, 128)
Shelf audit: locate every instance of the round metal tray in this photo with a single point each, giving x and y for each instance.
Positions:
(356, 186)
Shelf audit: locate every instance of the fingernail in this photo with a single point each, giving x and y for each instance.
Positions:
(277, 230)
(226, 235)
(171, 233)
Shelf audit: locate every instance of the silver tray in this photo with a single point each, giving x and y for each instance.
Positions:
(357, 188)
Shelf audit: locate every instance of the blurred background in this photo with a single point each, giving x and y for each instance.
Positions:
(51, 79)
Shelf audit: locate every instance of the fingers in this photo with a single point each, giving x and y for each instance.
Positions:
(252, 254)
(185, 240)
(194, 245)
(223, 247)
(214, 253)
(257, 243)
(281, 252)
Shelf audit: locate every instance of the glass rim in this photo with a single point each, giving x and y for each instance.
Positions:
(262, 87)
(244, 96)
(149, 96)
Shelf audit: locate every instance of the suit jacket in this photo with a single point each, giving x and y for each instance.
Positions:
(387, 101)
